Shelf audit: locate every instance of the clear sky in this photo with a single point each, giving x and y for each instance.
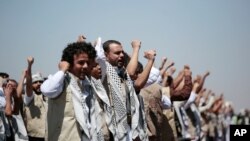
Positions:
(209, 35)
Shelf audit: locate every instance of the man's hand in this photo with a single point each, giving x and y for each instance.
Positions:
(25, 73)
(207, 74)
(9, 90)
(198, 79)
(172, 70)
(163, 62)
(63, 66)
(81, 38)
(171, 64)
(136, 44)
(30, 60)
(150, 54)
(187, 71)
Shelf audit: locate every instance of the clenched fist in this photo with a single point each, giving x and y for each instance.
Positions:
(63, 66)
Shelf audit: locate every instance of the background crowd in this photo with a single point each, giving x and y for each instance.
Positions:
(102, 92)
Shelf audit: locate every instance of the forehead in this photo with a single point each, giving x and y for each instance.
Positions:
(12, 83)
(82, 55)
(115, 47)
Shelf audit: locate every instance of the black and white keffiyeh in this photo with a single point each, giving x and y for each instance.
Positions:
(86, 108)
(119, 106)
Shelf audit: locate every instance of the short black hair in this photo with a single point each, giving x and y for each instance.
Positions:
(78, 48)
(107, 43)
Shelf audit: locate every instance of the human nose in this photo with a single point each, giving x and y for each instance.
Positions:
(85, 65)
(98, 67)
(121, 54)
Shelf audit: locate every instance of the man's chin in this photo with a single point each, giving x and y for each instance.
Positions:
(38, 92)
(120, 64)
(82, 77)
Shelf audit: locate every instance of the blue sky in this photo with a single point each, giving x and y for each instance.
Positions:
(208, 35)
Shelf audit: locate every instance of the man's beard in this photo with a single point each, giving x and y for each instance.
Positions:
(38, 92)
(120, 64)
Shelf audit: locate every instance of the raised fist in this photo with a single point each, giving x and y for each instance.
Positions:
(150, 54)
(64, 66)
(207, 73)
(187, 70)
(81, 38)
(30, 60)
(136, 43)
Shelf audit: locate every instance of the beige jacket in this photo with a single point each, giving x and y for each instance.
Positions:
(35, 117)
(153, 110)
(62, 124)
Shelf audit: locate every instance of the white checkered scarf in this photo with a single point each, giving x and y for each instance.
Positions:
(91, 129)
(102, 94)
(120, 107)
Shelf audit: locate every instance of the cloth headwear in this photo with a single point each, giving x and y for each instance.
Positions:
(37, 77)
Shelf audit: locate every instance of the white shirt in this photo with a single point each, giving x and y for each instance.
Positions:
(53, 86)
(208, 105)
(166, 102)
(28, 99)
(154, 77)
(190, 100)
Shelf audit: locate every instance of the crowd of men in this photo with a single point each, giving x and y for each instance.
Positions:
(102, 93)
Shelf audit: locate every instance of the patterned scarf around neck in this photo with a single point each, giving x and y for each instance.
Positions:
(119, 106)
(85, 107)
